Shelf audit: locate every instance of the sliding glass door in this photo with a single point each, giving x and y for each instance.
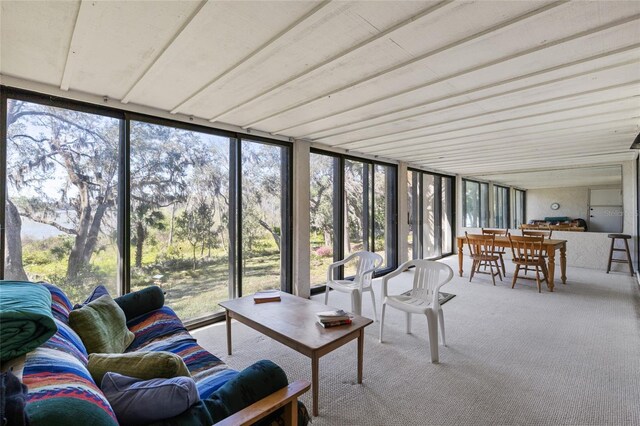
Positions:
(475, 204)
(431, 215)
(353, 208)
(519, 206)
(501, 206)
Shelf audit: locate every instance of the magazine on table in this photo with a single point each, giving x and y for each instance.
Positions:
(265, 296)
(334, 318)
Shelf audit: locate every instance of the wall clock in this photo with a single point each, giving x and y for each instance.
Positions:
(555, 206)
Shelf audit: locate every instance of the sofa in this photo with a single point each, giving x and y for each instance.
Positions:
(61, 390)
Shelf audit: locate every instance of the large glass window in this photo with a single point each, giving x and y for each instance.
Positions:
(413, 212)
(475, 204)
(430, 224)
(518, 208)
(179, 216)
(324, 176)
(431, 215)
(384, 207)
(265, 178)
(96, 196)
(62, 197)
(359, 214)
(446, 214)
(501, 206)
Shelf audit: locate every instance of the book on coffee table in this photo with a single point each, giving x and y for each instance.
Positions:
(337, 314)
(265, 296)
(328, 324)
(334, 318)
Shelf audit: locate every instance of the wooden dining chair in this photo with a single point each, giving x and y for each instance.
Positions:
(499, 251)
(544, 234)
(528, 252)
(482, 250)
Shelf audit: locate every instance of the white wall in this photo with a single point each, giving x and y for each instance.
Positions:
(574, 203)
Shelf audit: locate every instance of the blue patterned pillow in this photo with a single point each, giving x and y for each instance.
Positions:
(138, 401)
(96, 293)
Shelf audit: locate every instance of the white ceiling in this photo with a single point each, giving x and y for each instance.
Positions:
(565, 177)
(473, 88)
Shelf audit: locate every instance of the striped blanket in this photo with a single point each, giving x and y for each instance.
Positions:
(162, 330)
(61, 391)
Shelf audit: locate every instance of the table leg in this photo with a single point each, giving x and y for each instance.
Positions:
(360, 354)
(563, 262)
(551, 268)
(460, 259)
(314, 382)
(228, 318)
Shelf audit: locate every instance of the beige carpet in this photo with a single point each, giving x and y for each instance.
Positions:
(513, 357)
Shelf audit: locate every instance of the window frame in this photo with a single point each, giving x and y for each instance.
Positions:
(482, 208)
(418, 242)
(506, 191)
(523, 207)
(124, 199)
(392, 206)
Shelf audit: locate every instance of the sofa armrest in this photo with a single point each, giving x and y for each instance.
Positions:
(285, 397)
(141, 302)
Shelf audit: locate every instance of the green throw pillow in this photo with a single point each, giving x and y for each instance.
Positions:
(142, 365)
(102, 326)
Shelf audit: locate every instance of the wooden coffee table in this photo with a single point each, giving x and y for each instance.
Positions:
(293, 322)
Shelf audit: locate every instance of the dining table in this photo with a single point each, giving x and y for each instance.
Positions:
(549, 245)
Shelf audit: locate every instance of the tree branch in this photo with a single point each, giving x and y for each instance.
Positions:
(56, 225)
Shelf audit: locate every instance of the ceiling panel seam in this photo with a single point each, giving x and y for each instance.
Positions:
(501, 110)
(340, 55)
(570, 132)
(512, 150)
(413, 138)
(473, 37)
(506, 120)
(72, 52)
(318, 133)
(129, 94)
(454, 141)
(251, 55)
(494, 62)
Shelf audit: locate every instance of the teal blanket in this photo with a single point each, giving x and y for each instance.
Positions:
(25, 318)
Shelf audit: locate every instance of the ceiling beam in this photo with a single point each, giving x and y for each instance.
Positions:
(368, 143)
(517, 147)
(488, 176)
(333, 113)
(247, 58)
(509, 137)
(497, 111)
(509, 57)
(466, 102)
(470, 168)
(474, 37)
(129, 94)
(425, 12)
(80, 29)
(588, 145)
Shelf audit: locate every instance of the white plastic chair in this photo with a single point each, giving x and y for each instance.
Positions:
(367, 263)
(428, 277)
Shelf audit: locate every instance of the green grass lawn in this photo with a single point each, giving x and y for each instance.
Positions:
(192, 293)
